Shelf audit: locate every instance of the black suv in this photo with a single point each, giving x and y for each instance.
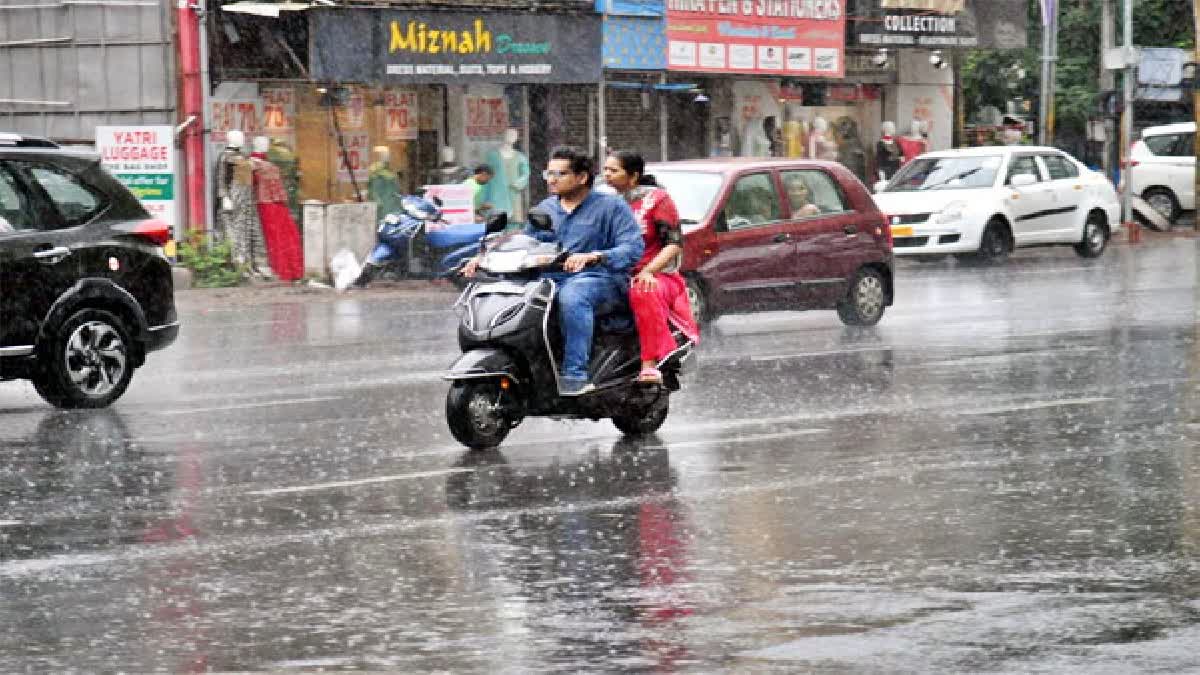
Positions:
(85, 290)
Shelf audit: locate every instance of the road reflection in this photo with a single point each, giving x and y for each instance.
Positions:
(593, 551)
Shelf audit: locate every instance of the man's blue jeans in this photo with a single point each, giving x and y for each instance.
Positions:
(581, 298)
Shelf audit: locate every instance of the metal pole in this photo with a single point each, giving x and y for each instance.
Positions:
(1127, 117)
(1196, 99)
(1049, 56)
(206, 106)
(602, 136)
(1108, 80)
(664, 138)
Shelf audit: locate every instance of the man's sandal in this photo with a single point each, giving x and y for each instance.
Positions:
(650, 376)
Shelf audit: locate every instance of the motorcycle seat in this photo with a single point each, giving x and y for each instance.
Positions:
(455, 235)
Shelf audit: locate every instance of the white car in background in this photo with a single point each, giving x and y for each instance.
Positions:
(1163, 169)
(982, 203)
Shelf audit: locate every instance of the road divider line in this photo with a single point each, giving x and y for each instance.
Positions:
(831, 352)
(355, 483)
(1033, 405)
(245, 406)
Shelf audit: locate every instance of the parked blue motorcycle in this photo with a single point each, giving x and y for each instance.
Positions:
(407, 248)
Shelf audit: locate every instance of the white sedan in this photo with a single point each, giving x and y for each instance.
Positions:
(984, 202)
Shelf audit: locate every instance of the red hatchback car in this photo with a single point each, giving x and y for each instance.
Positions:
(780, 234)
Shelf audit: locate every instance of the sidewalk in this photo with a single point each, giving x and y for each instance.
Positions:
(275, 291)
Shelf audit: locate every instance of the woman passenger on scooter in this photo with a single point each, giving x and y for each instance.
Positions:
(658, 293)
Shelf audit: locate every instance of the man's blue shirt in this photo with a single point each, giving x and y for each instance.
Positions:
(600, 224)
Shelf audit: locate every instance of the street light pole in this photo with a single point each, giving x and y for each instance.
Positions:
(1049, 57)
(1196, 98)
(1127, 116)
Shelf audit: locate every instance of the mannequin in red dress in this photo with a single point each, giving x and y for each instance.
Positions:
(914, 143)
(284, 250)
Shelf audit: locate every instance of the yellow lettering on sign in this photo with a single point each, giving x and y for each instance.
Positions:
(419, 37)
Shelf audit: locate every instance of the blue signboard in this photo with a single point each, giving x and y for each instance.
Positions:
(630, 7)
(634, 43)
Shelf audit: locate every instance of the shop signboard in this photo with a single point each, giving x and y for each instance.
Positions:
(757, 37)
(435, 47)
(353, 154)
(941, 24)
(143, 159)
(279, 113)
(458, 203)
(400, 115)
(485, 118)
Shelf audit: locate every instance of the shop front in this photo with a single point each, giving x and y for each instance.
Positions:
(922, 37)
(775, 77)
(429, 95)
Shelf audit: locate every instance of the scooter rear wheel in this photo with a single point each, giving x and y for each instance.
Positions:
(645, 420)
(474, 415)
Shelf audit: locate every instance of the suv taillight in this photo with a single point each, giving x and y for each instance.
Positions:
(154, 231)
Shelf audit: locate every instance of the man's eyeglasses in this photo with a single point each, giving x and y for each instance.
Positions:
(548, 174)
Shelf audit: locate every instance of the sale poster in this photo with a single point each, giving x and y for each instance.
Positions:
(401, 115)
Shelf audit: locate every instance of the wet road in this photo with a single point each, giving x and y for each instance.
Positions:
(1001, 477)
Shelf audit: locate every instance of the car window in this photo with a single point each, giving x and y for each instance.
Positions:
(76, 202)
(1022, 164)
(812, 192)
(16, 211)
(1187, 146)
(1164, 144)
(753, 201)
(1060, 167)
(693, 191)
(955, 172)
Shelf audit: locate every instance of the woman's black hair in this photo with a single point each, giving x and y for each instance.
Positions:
(632, 162)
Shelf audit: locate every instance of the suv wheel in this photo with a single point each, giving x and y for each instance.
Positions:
(864, 304)
(1163, 201)
(86, 362)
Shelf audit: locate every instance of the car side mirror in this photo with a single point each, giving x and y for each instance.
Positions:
(540, 220)
(1022, 180)
(496, 223)
(722, 223)
(879, 186)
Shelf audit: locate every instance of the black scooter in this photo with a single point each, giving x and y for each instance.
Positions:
(508, 332)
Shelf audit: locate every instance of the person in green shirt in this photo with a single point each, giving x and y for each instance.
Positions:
(483, 174)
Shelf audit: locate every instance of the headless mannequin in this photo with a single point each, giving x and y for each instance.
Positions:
(506, 191)
(238, 220)
(820, 145)
(913, 143)
(887, 152)
(278, 238)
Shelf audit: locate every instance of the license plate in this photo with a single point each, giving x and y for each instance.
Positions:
(902, 230)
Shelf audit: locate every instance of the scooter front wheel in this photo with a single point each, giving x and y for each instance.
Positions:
(474, 414)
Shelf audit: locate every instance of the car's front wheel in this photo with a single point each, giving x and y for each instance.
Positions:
(993, 244)
(866, 300)
(1095, 237)
(87, 361)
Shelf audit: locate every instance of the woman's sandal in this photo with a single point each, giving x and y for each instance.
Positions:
(650, 376)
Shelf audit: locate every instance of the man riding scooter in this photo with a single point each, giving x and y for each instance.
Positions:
(603, 240)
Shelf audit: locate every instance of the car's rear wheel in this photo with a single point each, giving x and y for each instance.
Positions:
(86, 363)
(865, 302)
(1095, 237)
(1163, 200)
(698, 301)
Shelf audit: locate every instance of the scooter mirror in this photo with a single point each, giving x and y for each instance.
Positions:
(540, 220)
(496, 223)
